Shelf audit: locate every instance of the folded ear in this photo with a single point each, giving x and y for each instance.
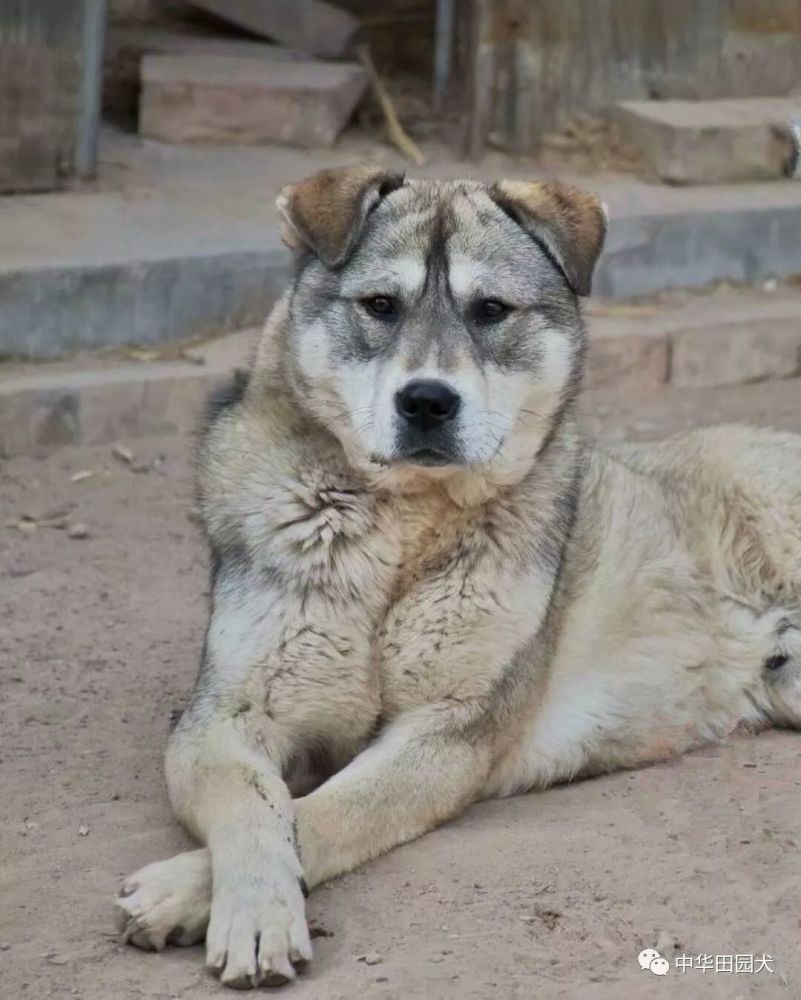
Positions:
(568, 222)
(326, 212)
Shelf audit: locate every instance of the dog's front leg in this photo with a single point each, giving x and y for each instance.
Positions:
(426, 767)
(255, 706)
(224, 777)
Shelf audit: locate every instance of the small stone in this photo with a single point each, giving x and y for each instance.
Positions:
(83, 830)
(371, 958)
(77, 531)
(141, 467)
(81, 475)
(5, 946)
(123, 453)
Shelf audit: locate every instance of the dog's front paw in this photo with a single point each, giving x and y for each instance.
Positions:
(257, 931)
(166, 903)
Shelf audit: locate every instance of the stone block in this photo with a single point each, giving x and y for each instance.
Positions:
(226, 99)
(711, 142)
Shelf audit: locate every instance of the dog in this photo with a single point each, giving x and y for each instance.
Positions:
(428, 588)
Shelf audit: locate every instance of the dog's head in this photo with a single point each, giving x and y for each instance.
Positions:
(435, 324)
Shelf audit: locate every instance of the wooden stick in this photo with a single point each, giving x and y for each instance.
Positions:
(395, 131)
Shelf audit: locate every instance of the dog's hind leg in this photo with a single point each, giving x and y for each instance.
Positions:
(781, 670)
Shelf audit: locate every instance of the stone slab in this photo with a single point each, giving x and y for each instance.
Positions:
(228, 99)
(711, 142)
(311, 25)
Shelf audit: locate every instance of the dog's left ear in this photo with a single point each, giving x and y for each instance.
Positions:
(326, 212)
(568, 222)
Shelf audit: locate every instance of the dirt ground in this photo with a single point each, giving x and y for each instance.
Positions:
(547, 895)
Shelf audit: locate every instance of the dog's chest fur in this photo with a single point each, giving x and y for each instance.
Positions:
(428, 581)
(427, 593)
(431, 566)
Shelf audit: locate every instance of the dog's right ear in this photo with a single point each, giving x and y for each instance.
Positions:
(326, 212)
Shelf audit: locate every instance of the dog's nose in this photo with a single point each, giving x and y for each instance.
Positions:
(427, 403)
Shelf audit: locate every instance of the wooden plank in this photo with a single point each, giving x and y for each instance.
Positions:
(529, 67)
(49, 91)
(311, 25)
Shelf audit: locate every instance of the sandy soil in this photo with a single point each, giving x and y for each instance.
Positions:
(549, 895)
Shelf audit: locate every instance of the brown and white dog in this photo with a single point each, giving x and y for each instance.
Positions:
(428, 588)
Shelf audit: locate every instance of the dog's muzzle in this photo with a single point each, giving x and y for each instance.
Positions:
(427, 409)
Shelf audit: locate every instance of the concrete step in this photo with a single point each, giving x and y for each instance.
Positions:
(96, 400)
(662, 238)
(183, 242)
(726, 337)
(713, 142)
(683, 340)
(245, 101)
(79, 272)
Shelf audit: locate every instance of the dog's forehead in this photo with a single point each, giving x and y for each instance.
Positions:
(454, 216)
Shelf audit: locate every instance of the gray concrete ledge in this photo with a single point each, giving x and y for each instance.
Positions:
(60, 310)
(183, 242)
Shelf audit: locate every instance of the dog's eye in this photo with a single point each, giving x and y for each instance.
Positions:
(382, 306)
(489, 310)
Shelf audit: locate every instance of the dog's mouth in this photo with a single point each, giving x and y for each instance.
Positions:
(429, 457)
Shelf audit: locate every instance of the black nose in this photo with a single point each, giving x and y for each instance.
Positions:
(427, 404)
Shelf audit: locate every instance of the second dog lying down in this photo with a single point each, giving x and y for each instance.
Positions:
(428, 588)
